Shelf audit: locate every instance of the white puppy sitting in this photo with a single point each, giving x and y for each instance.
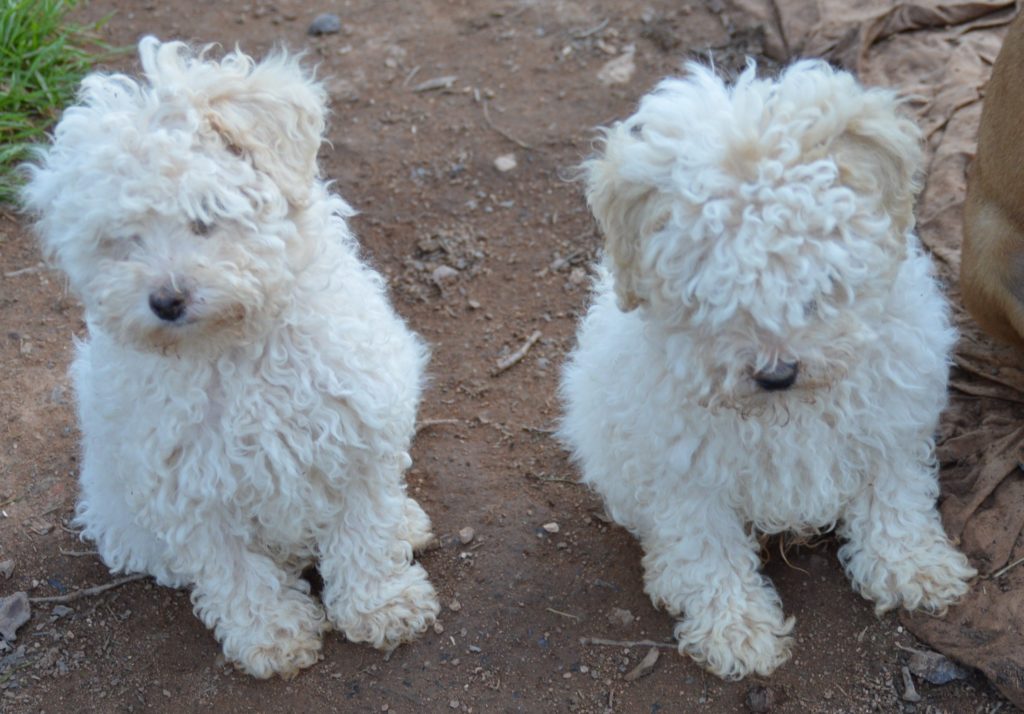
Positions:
(767, 351)
(247, 395)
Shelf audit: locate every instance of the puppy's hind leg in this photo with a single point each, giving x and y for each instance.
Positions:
(703, 565)
(373, 591)
(897, 552)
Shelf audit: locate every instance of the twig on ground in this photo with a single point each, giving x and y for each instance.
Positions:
(514, 140)
(427, 423)
(645, 667)
(626, 643)
(408, 77)
(436, 83)
(25, 271)
(563, 614)
(516, 356)
(592, 31)
(78, 553)
(552, 479)
(912, 650)
(89, 592)
(1004, 570)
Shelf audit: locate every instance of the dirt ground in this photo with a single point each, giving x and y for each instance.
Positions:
(418, 163)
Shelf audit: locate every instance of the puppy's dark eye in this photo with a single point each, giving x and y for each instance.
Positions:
(119, 248)
(200, 228)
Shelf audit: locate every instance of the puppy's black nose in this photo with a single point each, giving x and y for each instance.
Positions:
(168, 304)
(779, 376)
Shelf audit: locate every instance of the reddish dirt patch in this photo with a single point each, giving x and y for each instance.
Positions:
(419, 167)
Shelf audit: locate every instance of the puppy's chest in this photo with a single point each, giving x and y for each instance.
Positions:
(801, 487)
(262, 446)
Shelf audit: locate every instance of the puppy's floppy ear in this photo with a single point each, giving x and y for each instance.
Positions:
(627, 209)
(879, 152)
(272, 111)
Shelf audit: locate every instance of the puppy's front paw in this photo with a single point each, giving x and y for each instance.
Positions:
(940, 584)
(735, 643)
(931, 578)
(289, 640)
(401, 618)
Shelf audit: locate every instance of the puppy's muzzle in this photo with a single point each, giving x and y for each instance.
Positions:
(779, 376)
(169, 304)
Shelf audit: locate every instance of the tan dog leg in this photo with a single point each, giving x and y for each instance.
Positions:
(992, 267)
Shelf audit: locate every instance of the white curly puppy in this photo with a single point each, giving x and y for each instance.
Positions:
(247, 395)
(767, 351)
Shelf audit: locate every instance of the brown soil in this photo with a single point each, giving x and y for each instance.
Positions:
(517, 599)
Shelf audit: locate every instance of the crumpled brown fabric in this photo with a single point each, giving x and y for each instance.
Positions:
(940, 55)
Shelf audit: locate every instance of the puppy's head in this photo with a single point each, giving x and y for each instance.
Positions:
(175, 204)
(765, 219)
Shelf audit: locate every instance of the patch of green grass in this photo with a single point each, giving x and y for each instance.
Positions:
(42, 59)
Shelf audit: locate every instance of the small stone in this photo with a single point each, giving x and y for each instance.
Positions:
(551, 527)
(935, 668)
(62, 610)
(325, 24)
(505, 162)
(760, 699)
(455, 606)
(444, 274)
(620, 617)
(15, 611)
(454, 704)
(466, 535)
(619, 70)
(6, 569)
(167, 693)
(577, 276)
(909, 692)
(344, 90)
(438, 627)
(442, 83)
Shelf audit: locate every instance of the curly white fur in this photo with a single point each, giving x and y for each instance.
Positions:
(750, 227)
(263, 422)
